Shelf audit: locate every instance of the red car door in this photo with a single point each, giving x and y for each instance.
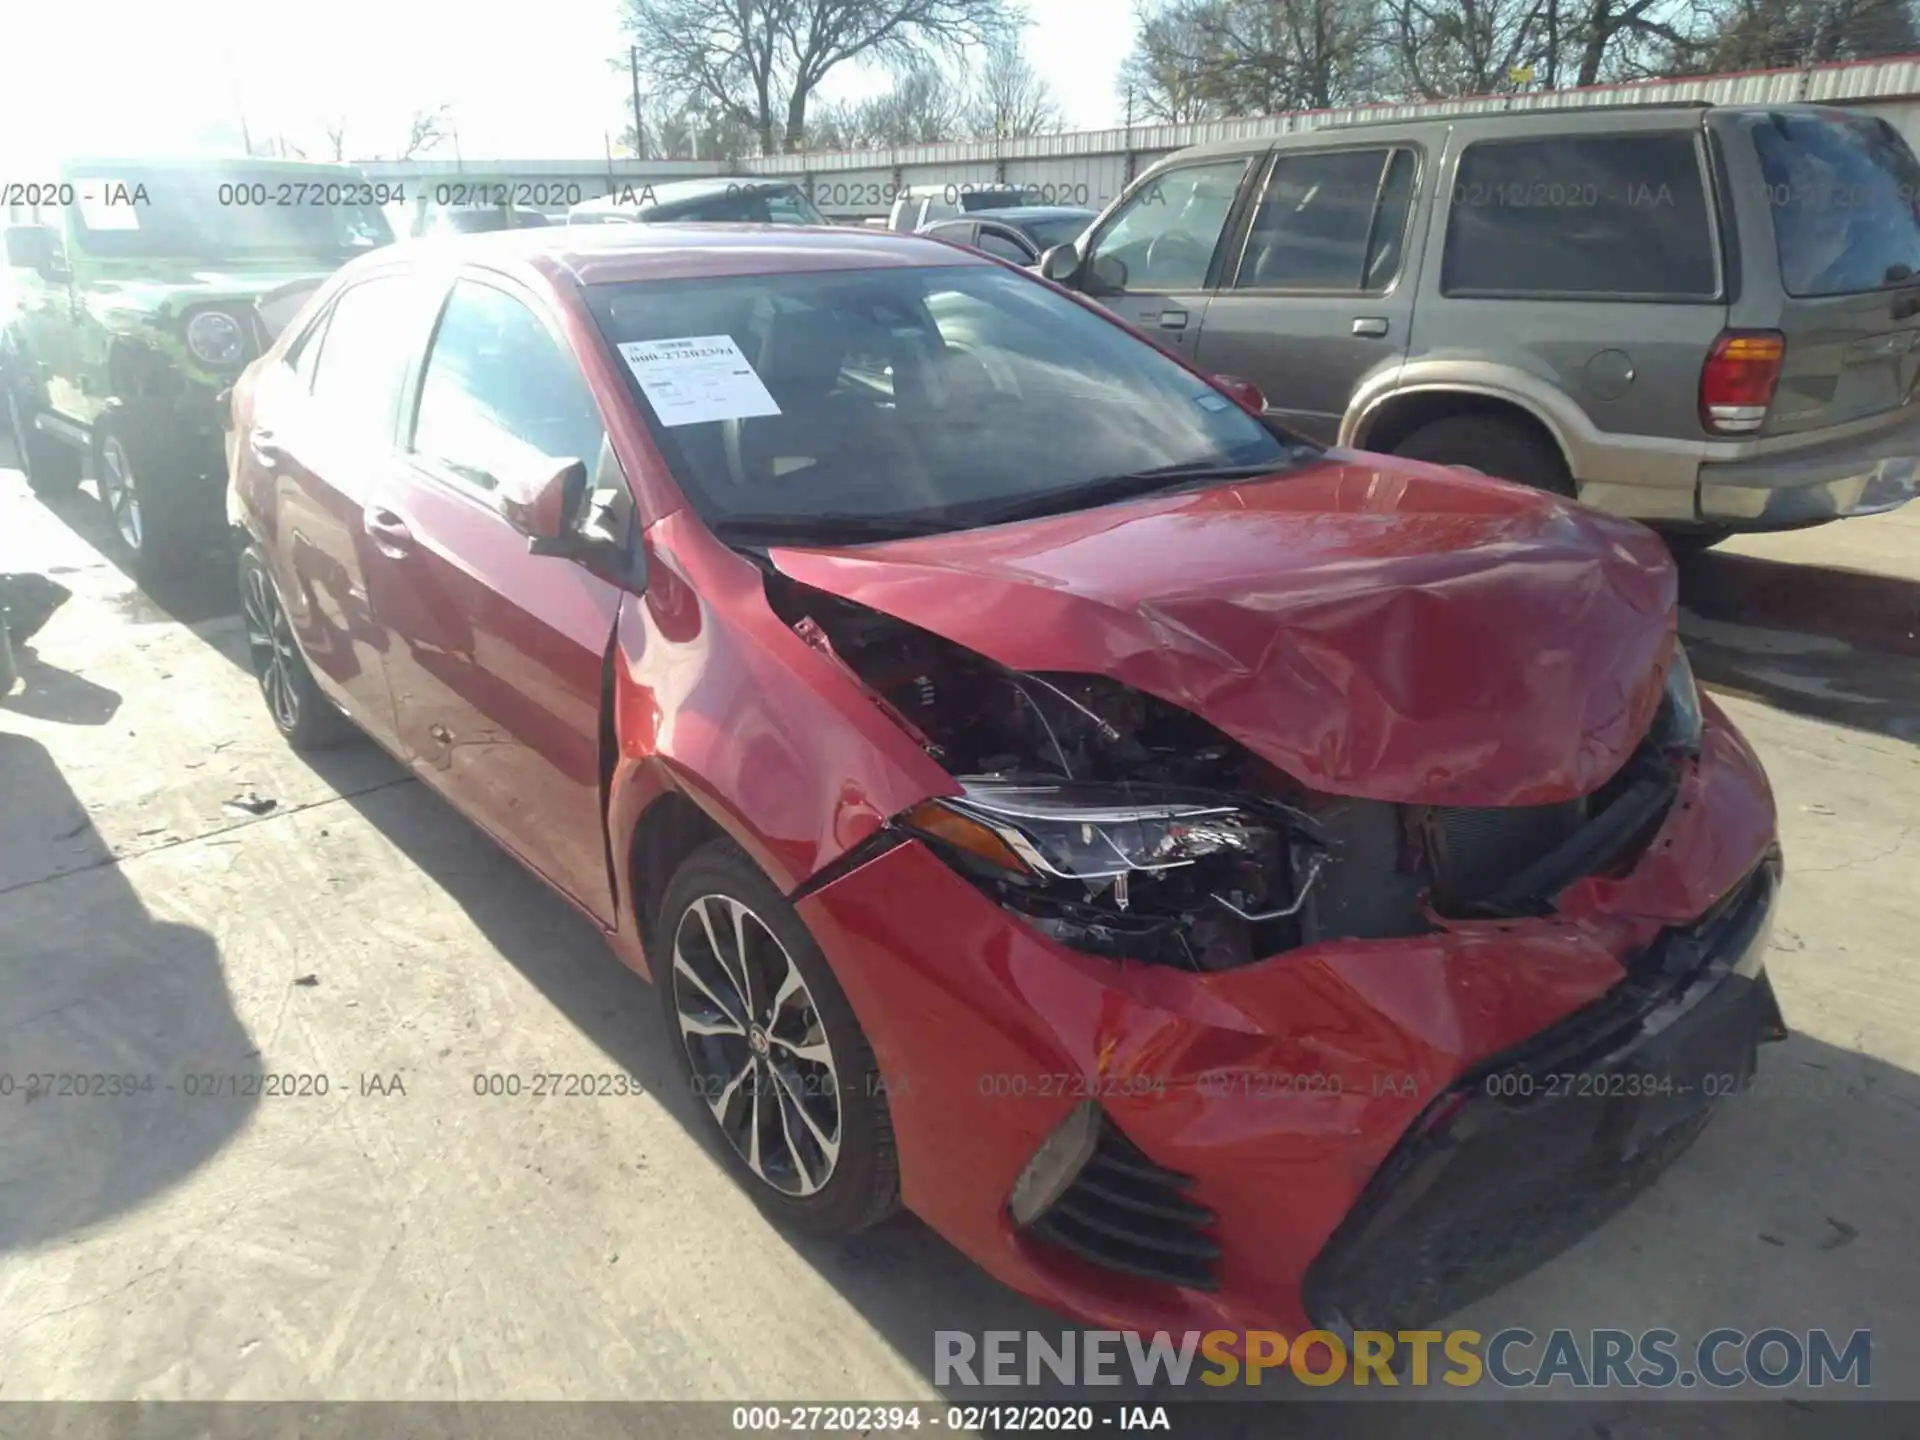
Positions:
(496, 654)
(318, 450)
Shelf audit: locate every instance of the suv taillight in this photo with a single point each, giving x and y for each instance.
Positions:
(1736, 383)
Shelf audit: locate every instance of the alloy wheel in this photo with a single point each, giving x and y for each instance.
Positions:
(119, 487)
(758, 1046)
(270, 647)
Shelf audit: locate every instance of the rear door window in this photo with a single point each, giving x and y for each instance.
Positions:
(364, 353)
(1615, 216)
(1845, 197)
(1331, 221)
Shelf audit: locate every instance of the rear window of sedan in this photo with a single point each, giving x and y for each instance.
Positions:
(920, 391)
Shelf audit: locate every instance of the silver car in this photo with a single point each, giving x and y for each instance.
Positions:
(1704, 317)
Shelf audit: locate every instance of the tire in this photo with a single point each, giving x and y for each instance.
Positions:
(142, 488)
(732, 1074)
(306, 719)
(51, 468)
(1490, 443)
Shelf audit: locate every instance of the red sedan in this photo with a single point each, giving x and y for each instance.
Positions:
(1212, 880)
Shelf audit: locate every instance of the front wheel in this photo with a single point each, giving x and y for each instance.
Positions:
(770, 1049)
(143, 492)
(305, 718)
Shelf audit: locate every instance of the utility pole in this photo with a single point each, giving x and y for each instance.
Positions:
(633, 72)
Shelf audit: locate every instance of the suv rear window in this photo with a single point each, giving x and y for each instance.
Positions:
(1620, 216)
(1844, 192)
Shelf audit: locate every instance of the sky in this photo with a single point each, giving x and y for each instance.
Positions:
(132, 77)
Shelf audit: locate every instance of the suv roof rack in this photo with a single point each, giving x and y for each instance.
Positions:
(1528, 110)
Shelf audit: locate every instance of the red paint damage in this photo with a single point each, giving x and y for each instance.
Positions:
(988, 1034)
(1404, 633)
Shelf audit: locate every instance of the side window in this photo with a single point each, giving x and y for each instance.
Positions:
(1618, 216)
(303, 356)
(1003, 246)
(499, 392)
(1330, 221)
(1164, 237)
(958, 231)
(362, 356)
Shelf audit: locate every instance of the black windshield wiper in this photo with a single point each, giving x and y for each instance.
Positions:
(825, 528)
(1124, 487)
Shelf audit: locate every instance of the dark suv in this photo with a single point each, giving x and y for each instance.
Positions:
(1707, 318)
(127, 309)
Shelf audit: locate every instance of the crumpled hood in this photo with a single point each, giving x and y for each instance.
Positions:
(1376, 628)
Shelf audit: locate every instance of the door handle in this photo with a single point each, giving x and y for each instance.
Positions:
(390, 533)
(1173, 319)
(1370, 327)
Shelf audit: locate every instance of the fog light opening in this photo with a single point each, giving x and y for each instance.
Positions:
(1056, 1164)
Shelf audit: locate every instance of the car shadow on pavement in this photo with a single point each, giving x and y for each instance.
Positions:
(194, 592)
(110, 1021)
(1807, 674)
(1799, 1251)
(46, 692)
(1875, 611)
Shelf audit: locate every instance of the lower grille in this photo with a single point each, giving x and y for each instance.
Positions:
(1125, 1213)
(1529, 1153)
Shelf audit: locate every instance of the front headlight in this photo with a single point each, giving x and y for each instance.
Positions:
(1088, 832)
(217, 338)
(1679, 723)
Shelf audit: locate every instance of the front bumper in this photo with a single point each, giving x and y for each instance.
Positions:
(1534, 1149)
(1283, 1088)
(1812, 484)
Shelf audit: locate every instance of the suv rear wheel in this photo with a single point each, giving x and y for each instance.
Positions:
(51, 468)
(1493, 444)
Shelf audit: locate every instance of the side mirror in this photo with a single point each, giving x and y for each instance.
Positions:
(1061, 263)
(30, 247)
(541, 504)
(1244, 391)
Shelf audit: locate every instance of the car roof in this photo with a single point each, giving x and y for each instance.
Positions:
(612, 254)
(1017, 213)
(1518, 122)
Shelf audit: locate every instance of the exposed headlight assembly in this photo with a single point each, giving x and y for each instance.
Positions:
(1088, 832)
(217, 338)
(1679, 723)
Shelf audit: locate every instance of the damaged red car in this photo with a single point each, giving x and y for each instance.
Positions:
(1210, 879)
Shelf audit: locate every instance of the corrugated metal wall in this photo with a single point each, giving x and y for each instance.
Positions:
(1090, 167)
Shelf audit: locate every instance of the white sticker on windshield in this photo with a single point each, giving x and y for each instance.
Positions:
(694, 380)
(1213, 402)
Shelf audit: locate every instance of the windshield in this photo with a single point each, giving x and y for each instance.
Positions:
(746, 204)
(940, 395)
(1845, 196)
(1049, 233)
(219, 213)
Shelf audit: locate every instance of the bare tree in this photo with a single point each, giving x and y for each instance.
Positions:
(336, 132)
(924, 107)
(1163, 74)
(1254, 57)
(424, 132)
(1467, 47)
(1011, 100)
(760, 61)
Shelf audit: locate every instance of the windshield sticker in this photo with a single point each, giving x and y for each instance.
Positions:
(698, 379)
(1211, 401)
